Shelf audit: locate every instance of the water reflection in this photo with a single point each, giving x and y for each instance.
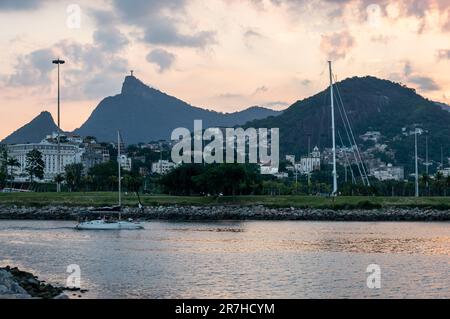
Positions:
(237, 259)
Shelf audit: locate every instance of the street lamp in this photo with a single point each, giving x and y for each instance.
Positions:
(58, 171)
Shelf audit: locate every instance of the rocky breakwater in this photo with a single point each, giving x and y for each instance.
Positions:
(228, 212)
(16, 284)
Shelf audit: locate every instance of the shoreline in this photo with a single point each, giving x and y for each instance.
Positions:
(18, 284)
(225, 212)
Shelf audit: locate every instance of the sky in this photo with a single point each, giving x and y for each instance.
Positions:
(224, 55)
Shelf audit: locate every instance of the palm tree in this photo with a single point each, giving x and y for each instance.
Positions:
(425, 180)
(447, 185)
(439, 178)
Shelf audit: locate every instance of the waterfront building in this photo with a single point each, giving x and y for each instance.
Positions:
(70, 154)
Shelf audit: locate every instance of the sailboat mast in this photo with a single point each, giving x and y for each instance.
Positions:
(119, 174)
(416, 164)
(333, 133)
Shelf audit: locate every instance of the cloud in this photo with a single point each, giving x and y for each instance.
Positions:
(407, 69)
(32, 69)
(261, 89)
(139, 11)
(373, 12)
(381, 39)
(409, 75)
(163, 32)
(107, 35)
(250, 35)
(86, 65)
(103, 18)
(305, 82)
(110, 39)
(19, 5)
(230, 96)
(443, 54)
(276, 104)
(425, 83)
(158, 21)
(162, 58)
(337, 45)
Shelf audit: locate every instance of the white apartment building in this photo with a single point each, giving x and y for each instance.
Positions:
(310, 163)
(445, 172)
(389, 172)
(125, 162)
(70, 154)
(162, 167)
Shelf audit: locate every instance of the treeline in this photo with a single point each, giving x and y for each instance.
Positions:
(213, 179)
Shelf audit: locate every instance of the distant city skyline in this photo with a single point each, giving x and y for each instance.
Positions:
(224, 55)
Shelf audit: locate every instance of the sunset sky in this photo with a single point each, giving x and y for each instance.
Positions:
(224, 55)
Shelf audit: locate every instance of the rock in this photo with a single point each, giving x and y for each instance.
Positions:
(3, 290)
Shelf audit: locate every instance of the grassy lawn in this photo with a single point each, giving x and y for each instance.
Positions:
(109, 198)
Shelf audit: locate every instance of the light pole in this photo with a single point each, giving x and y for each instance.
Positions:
(58, 170)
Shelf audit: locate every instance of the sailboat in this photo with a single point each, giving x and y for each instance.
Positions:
(104, 224)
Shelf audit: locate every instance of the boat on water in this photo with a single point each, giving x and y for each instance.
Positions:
(103, 224)
(110, 224)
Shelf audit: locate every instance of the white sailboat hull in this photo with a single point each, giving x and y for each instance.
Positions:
(104, 225)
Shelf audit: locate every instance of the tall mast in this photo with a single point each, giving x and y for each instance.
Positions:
(417, 164)
(120, 177)
(427, 164)
(333, 134)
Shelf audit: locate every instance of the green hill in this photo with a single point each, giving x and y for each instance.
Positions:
(372, 104)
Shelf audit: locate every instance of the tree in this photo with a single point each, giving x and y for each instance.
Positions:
(214, 179)
(3, 165)
(447, 185)
(425, 180)
(35, 165)
(439, 181)
(104, 176)
(11, 165)
(132, 183)
(74, 174)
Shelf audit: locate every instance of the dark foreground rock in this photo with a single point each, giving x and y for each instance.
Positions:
(227, 213)
(17, 284)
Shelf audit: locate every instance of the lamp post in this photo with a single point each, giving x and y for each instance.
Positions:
(58, 170)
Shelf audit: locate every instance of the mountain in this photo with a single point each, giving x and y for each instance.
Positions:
(250, 114)
(34, 131)
(371, 104)
(443, 106)
(144, 114)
